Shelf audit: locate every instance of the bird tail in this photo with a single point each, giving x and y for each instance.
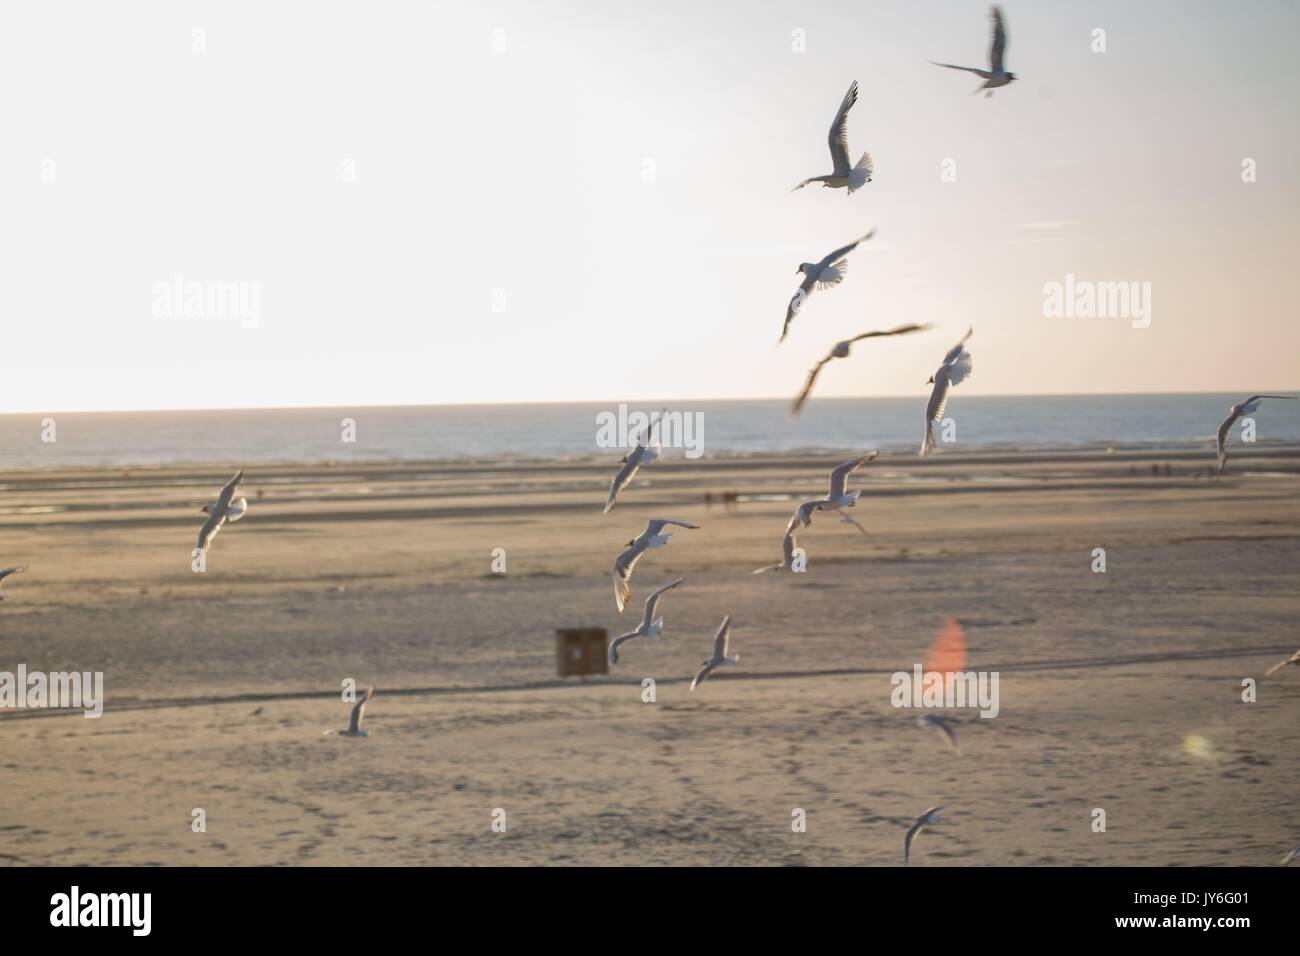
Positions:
(860, 174)
(658, 624)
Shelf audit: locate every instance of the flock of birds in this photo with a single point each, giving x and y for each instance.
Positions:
(826, 273)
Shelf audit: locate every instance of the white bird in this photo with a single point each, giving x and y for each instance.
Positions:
(930, 816)
(719, 655)
(625, 562)
(642, 454)
(649, 627)
(5, 572)
(1235, 412)
(935, 722)
(224, 508)
(841, 350)
(852, 177)
(788, 546)
(996, 75)
(1291, 661)
(354, 725)
(830, 271)
(956, 366)
(839, 496)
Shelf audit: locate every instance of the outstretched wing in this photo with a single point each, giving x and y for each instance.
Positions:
(840, 474)
(797, 302)
(4, 573)
(358, 710)
(1221, 439)
(622, 574)
(968, 69)
(228, 492)
(839, 135)
(999, 45)
(897, 330)
(721, 639)
(656, 525)
(625, 474)
(702, 674)
(842, 252)
(652, 602)
(216, 518)
(618, 642)
(957, 349)
(808, 386)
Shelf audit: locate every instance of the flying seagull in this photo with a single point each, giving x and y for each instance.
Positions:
(935, 722)
(642, 454)
(1293, 660)
(625, 562)
(956, 366)
(788, 546)
(828, 272)
(1235, 412)
(354, 725)
(839, 496)
(225, 508)
(719, 655)
(650, 625)
(996, 75)
(5, 572)
(930, 816)
(844, 176)
(841, 350)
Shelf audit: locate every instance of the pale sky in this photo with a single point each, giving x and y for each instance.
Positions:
(524, 171)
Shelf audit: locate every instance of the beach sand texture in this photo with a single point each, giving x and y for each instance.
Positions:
(1119, 690)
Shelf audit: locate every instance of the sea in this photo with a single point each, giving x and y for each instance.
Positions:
(582, 430)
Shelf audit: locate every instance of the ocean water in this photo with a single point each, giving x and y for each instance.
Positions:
(719, 428)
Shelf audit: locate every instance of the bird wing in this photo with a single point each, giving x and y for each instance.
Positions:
(788, 544)
(722, 638)
(840, 474)
(216, 518)
(797, 301)
(897, 330)
(999, 45)
(622, 574)
(618, 642)
(843, 251)
(702, 674)
(1221, 438)
(652, 602)
(655, 525)
(808, 385)
(839, 134)
(1293, 659)
(228, 491)
(968, 69)
(803, 514)
(957, 349)
(625, 474)
(14, 570)
(358, 709)
(960, 369)
(832, 275)
(938, 396)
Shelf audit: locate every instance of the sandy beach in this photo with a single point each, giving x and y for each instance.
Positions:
(1119, 690)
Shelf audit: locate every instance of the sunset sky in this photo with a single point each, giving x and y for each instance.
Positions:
(516, 180)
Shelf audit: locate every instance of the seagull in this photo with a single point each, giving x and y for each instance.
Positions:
(650, 625)
(996, 75)
(956, 366)
(841, 350)
(5, 572)
(719, 655)
(788, 547)
(930, 816)
(935, 722)
(354, 725)
(642, 454)
(1235, 412)
(844, 176)
(839, 497)
(625, 562)
(224, 508)
(819, 275)
(1292, 660)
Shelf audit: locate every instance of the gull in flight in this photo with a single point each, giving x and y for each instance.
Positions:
(841, 350)
(354, 725)
(956, 366)
(1235, 412)
(224, 508)
(719, 655)
(5, 572)
(650, 625)
(930, 816)
(788, 547)
(852, 177)
(1291, 661)
(839, 497)
(642, 454)
(935, 722)
(828, 272)
(651, 537)
(996, 75)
